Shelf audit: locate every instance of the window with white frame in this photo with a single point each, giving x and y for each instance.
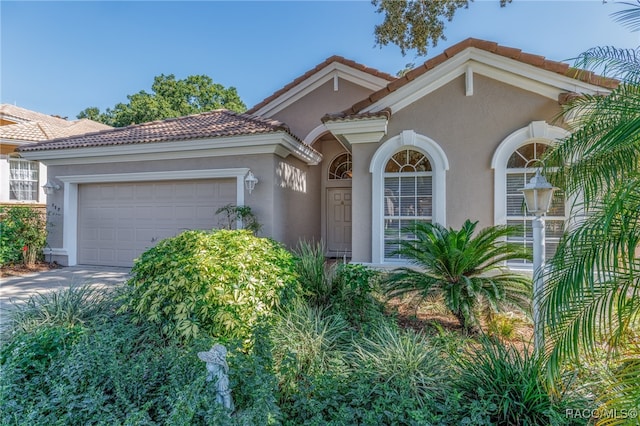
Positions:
(23, 179)
(521, 167)
(341, 167)
(408, 197)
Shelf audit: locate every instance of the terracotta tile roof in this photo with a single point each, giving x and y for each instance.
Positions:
(385, 113)
(509, 52)
(19, 114)
(217, 123)
(36, 127)
(316, 69)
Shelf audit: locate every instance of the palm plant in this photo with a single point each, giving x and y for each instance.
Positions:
(466, 270)
(593, 281)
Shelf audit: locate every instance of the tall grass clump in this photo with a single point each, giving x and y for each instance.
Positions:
(511, 385)
(315, 276)
(405, 360)
(308, 341)
(72, 306)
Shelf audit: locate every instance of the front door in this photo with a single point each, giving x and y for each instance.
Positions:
(339, 222)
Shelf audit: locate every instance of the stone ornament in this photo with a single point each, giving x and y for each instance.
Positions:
(218, 372)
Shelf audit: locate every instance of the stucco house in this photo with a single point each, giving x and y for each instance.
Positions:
(344, 153)
(21, 180)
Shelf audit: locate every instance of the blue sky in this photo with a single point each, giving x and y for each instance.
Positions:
(61, 57)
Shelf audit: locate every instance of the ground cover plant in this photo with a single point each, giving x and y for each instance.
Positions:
(85, 356)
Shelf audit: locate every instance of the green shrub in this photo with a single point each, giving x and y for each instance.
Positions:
(354, 288)
(218, 283)
(23, 234)
(512, 385)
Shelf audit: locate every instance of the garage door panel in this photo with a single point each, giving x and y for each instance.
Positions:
(118, 222)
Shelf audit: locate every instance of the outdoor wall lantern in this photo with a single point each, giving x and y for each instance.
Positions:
(250, 181)
(50, 188)
(537, 196)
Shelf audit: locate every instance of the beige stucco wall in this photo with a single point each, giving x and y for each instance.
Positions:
(305, 114)
(468, 129)
(296, 201)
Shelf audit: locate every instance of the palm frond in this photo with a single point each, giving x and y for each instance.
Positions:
(629, 17)
(612, 62)
(605, 148)
(593, 290)
(467, 270)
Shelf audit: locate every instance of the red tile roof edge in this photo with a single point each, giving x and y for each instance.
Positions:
(272, 125)
(509, 52)
(316, 69)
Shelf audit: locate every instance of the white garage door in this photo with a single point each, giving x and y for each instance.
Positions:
(119, 221)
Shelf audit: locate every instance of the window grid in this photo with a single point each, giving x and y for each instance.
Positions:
(23, 179)
(341, 167)
(408, 188)
(519, 172)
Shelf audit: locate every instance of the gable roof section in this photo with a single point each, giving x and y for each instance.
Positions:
(335, 65)
(486, 58)
(209, 127)
(22, 115)
(32, 126)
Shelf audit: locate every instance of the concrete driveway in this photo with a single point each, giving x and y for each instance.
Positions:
(19, 289)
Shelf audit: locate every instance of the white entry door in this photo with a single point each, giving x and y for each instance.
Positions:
(339, 222)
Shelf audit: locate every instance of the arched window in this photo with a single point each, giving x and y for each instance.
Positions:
(341, 167)
(521, 167)
(413, 168)
(408, 197)
(514, 163)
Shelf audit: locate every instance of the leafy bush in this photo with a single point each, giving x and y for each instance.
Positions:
(23, 234)
(354, 298)
(339, 287)
(218, 283)
(512, 385)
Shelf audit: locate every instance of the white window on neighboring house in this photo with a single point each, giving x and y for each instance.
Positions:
(23, 179)
(521, 167)
(408, 197)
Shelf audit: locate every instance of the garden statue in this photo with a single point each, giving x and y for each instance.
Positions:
(218, 372)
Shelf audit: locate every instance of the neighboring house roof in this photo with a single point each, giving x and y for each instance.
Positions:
(494, 48)
(213, 124)
(21, 115)
(32, 126)
(378, 78)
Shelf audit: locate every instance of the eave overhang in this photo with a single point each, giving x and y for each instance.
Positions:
(279, 143)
